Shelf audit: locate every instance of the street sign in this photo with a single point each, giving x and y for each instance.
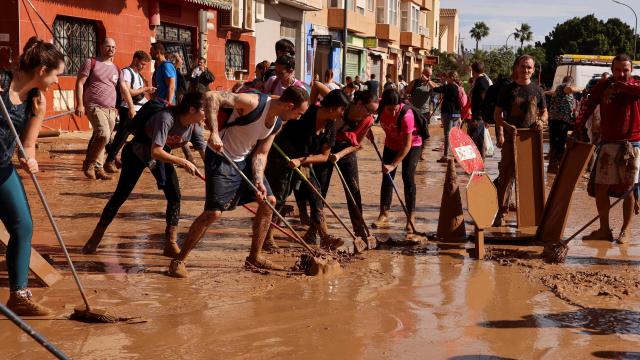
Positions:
(324, 40)
(465, 151)
(371, 42)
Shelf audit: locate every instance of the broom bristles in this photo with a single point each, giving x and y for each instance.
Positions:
(555, 253)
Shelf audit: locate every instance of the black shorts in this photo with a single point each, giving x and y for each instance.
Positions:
(225, 188)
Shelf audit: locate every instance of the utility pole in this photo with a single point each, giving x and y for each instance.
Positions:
(344, 45)
(635, 29)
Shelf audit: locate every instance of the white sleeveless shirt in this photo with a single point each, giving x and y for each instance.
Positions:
(238, 141)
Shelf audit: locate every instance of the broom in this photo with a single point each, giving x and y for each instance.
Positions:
(86, 314)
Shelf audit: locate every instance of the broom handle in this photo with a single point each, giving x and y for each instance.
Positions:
(266, 201)
(316, 191)
(624, 196)
(353, 199)
(23, 153)
(395, 189)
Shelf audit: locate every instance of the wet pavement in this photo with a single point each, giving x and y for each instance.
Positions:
(430, 302)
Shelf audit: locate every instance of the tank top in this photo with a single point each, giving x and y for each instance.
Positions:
(20, 116)
(240, 140)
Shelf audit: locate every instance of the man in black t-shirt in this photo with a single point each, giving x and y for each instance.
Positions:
(373, 85)
(481, 83)
(521, 104)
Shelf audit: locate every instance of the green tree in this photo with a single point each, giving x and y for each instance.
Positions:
(587, 35)
(479, 31)
(523, 34)
(497, 62)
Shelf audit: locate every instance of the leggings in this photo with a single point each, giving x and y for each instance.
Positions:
(409, 165)
(349, 168)
(16, 217)
(132, 168)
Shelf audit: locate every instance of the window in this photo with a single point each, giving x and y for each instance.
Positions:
(336, 3)
(380, 12)
(78, 41)
(415, 18)
(177, 40)
(405, 17)
(234, 58)
(289, 30)
(360, 6)
(370, 5)
(259, 10)
(393, 12)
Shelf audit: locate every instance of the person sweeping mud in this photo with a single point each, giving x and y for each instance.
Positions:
(245, 140)
(22, 92)
(618, 159)
(402, 145)
(521, 104)
(308, 142)
(151, 147)
(351, 131)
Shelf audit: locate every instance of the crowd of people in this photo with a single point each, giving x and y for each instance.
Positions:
(319, 126)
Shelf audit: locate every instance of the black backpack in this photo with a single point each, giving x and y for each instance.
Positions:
(419, 119)
(491, 100)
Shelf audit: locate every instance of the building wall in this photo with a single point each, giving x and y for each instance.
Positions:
(268, 32)
(453, 25)
(433, 22)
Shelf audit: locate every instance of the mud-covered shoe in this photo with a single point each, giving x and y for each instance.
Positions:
(261, 263)
(624, 237)
(178, 269)
(499, 221)
(171, 248)
(442, 160)
(381, 223)
(110, 167)
(269, 243)
(21, 302)
(599, 235)
(89, 170)
(102, 175)
(331, 242)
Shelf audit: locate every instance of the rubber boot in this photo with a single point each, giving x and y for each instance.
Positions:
(21, 302)
(102, 175)
(171, 248)
(311, 236)
(327, 241)
(92, 244)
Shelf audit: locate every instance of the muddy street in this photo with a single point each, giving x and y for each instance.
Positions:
(432, 301)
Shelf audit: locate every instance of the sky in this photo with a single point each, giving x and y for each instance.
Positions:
(503, 16)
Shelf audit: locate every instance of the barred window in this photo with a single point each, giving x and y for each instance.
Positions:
(289, 29)
(234, 58)
(77, 39)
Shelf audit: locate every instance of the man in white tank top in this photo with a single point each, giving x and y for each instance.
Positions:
(250, 130)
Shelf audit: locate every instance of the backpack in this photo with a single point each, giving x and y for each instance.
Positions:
(136, 99)
(491, 100)
(462, 97)
(224, 114)
(420, 121)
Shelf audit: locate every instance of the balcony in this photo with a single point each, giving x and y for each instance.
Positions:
(426, 42)
(361, 24)
(408, 38)
(426, 5)
(307, 5)
(388, 32)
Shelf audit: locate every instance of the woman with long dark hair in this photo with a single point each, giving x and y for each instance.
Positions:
(21, 91)
(402, 145)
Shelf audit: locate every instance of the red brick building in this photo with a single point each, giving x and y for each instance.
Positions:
(81, 25)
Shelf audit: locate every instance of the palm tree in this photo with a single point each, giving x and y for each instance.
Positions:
(479, 31)
(523, 34)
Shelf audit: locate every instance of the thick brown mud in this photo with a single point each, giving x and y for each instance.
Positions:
(427, 301)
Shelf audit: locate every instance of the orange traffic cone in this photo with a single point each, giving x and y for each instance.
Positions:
(451, 220)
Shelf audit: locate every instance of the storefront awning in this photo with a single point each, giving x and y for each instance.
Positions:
(217, 4)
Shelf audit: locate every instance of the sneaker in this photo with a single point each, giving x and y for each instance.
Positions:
(261, 263)
(178, 269)
(102, 175)
(21, 303)
(110, 167)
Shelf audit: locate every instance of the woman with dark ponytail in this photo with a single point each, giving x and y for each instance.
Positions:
(21, 92)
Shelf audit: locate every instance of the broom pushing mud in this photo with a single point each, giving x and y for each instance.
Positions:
(316, 263)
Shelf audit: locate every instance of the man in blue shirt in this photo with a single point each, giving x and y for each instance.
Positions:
(165, 75)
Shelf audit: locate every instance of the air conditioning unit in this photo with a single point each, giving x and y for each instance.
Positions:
(233, 19)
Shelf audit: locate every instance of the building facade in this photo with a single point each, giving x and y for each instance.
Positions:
(218, 29)
(450, 21)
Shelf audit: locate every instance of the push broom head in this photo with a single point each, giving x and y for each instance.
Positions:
(81, 313)
(555, 253)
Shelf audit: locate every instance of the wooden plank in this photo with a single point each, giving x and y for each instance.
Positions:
(574, 162)
(479, 244)
(529, 171)
(43, 271)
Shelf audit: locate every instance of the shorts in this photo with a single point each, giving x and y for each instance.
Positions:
(612, 172)
(225, 188)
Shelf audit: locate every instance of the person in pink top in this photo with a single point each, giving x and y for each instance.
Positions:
(402, 144)
(96, 96)
(284, 78)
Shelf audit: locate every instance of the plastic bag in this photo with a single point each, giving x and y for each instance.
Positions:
(488, 144)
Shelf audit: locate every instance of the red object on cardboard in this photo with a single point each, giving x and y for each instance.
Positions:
(465, 151)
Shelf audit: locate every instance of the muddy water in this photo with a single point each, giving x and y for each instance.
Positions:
(432, 302)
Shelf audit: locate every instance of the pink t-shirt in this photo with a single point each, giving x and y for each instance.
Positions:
(394, 136)
(100, 86)
(275, 87)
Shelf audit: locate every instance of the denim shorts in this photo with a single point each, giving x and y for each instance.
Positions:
(225, 188)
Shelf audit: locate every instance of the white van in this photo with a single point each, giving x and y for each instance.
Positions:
(583, 68)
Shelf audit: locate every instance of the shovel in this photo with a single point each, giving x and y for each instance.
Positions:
(86, 313)
(358, 244)
(372, 242)
(313, 264)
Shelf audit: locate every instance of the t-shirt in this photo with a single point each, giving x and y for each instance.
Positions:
(166, 70)
(20, 116)
(100, 86)
(163, 129)
(134, 81)
(275, 87)
(421, 95)
(450, 94)
(394, 136)
(620, 118)
(373, 86)
(480, 86)
(299, 138)
(562, 104)
(349, 131)
(521, 104)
